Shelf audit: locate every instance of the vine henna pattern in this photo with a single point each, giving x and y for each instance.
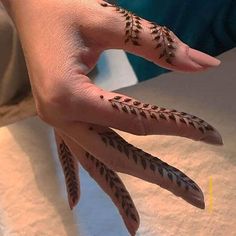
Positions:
(118, 189)
(133, 25)
(106, 178)
(150, 163)
(144, 165)
(166, 176)
(163, 37)
(147, 111)
(70, 167)
(165, 40)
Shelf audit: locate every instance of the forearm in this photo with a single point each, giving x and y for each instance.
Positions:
(14, 7)
(21, 12)
(24, 11)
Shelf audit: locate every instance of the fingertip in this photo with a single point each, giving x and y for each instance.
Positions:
(196, 197)
(213, 138)
(199, 203)
(203, 59)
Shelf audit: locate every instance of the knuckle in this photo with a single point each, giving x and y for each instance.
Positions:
(53, 108)
(60, 100)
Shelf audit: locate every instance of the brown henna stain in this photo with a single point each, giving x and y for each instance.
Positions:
(115, 106)
(164, 40)
(209, 127)
(130, 106)
(142, 113)
(127, 99)
(135, 158)
(116, 186)
(125, 109)
(170, 176)
(117, 97)
(162, 116)
(182, 120)
(152, 167)
(145, 105)
(133, 25)
(154, 107)
(201, 129)
(136, 103)
(178, 182)
(133, 111)
(172, 117)
(69, 170)
(146, 160)
(143, 162)
(153, 116)
(160, 169)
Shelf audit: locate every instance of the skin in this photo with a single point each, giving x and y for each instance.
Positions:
(62, 41)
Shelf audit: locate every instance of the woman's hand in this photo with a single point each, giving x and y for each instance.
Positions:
(62, 41)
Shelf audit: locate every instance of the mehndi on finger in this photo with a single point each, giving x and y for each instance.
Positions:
(70, 169)
(165, 40)
(145, 166)
(203, 130)
(111, 184)
(162, 36)
(133, 25)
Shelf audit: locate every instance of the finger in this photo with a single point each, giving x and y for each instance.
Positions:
(154, 42)
(115, 152)
(110, 183)
(70, 169)
(94, 105)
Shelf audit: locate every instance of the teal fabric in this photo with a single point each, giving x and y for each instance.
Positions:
(207, 25)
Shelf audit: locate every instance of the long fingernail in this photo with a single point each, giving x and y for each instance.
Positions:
(213, 138)
(199, 202)
(203, 59)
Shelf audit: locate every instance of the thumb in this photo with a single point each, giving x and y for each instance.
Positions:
(156, 43)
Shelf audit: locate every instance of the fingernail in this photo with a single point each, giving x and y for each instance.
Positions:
(213, 138)
(197, 199)
(203, 59)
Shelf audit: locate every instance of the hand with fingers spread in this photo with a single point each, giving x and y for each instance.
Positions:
(62, 41)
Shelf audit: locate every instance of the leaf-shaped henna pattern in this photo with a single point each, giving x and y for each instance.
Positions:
(130, 106)
(165, 40)
(117, 188)
(111, 184)
(70, 169)
(133, 24)
(171, 176)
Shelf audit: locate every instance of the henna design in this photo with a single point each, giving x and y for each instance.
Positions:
(162, 36)
(129, 106)
(133, 24)
(146, 160)
(69, 168)
(117, 187)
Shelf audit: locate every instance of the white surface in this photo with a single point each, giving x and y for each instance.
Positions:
(114, 71)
